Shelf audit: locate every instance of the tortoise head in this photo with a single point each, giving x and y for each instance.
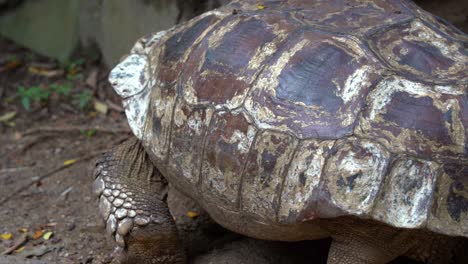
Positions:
(132, 80)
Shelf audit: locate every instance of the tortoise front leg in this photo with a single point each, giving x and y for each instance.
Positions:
(132, 196)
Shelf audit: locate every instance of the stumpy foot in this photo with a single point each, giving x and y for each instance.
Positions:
(132, 202)
(355, 242)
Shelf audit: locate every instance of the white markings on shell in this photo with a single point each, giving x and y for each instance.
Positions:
(145, 44)
(125, 226)
(303, 178)
(407, 194)
(130, 80)
(354, 176)
(107, 192)
(242, 140)
(355, 83)
(130, 76)
(135, 110)
(115, 193)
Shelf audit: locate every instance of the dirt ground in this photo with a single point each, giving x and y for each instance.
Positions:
(46, 156)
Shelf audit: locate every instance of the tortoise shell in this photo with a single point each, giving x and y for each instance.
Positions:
(278, 114)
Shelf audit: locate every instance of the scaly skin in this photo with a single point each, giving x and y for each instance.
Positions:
(132, 202)
(148, 232)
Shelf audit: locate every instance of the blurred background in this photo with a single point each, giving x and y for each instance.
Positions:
(58, 113)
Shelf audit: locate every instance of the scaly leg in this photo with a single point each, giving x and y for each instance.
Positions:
(132, 196)
(357, 241)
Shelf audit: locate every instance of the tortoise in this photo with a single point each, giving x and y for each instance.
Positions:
(296, 120)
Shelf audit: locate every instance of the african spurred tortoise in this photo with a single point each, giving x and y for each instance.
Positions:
(296, 120)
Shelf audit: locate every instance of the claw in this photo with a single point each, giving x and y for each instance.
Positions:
(98, 186)
(111, 225)
(125, 226)
(105, 207)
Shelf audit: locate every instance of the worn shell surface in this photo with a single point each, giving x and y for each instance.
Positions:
(309, 109)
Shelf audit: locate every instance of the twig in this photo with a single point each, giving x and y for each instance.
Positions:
(10, 170)
(22, 239)
(76, 129)
(34, 141)
(50, 173)
(114, 106)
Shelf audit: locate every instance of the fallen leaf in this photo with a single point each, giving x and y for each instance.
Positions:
(261, 7)
(6, 236)
(19, 249)
(47, 235)
(10, 124)
(35, 251)
(100, 107)
(90, 132)
(92, 114)
(45, 72)
(192, 214)
(7, 116)
(10, 65)
(38, 234)
(23, 230)
(69, 162)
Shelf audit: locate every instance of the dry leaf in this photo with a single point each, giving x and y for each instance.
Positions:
(38, 234)
(100, 107)
(10, 65)
(69, 162)
(6, 236)
(23, 230)
(261, 7)
(45, 72)
(19, 249)
(7, 116)
(192, 214)
(36, 251)
(47, 235)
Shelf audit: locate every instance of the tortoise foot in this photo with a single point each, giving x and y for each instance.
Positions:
(132, 203)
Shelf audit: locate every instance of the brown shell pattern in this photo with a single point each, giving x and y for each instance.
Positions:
(316, 109)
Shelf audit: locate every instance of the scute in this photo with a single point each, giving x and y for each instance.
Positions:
(409, 187)
(314, 86)
(353, 17)
(222, 67)
(302, 184)
(262, 181)
(352, 178)
(422, 52)
(189, 129)
(416, 118)
(449, 214)
(227, 147)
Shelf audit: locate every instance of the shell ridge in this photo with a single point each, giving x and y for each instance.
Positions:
(285, 172)
(204, 142)
(244, 167)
